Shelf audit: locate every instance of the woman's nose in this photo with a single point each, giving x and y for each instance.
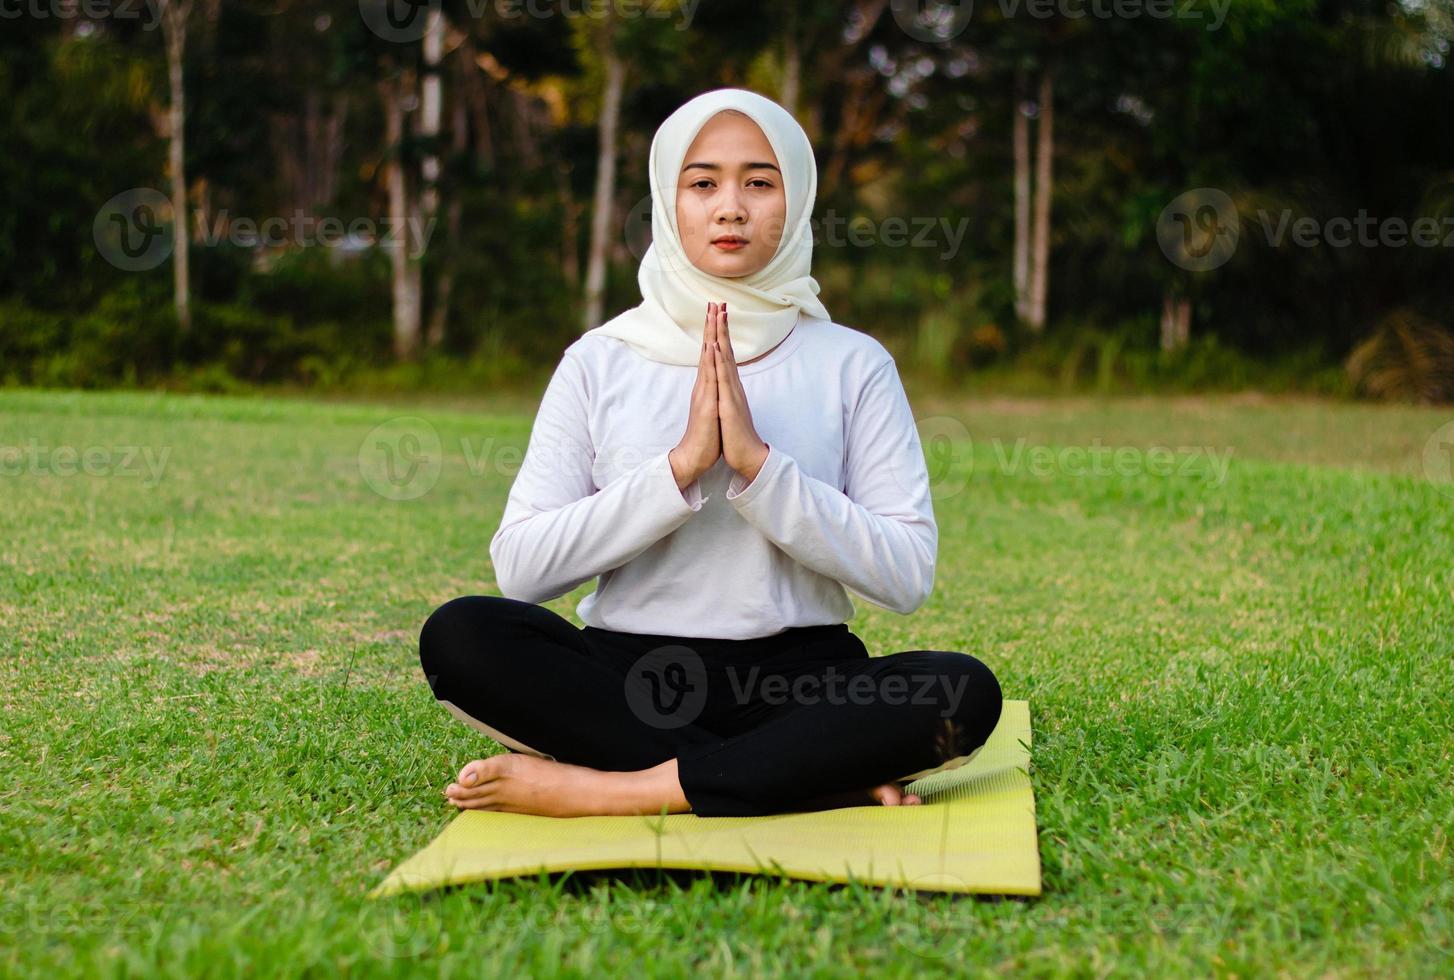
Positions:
(729, 206)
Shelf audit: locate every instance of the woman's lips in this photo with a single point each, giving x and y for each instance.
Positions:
(730, 245)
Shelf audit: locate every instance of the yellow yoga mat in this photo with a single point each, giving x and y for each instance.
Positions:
(974, 832)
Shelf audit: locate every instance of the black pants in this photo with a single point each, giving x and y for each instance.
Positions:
(757, 726)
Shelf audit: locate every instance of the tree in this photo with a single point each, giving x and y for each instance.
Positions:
(607, 128)
(174, 16)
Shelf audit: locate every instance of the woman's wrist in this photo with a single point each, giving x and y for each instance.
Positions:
(679, 471)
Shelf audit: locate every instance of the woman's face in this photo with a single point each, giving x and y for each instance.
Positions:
(730, 187)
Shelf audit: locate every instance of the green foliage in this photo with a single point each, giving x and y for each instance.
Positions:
(1087, 359)
(1317, 108)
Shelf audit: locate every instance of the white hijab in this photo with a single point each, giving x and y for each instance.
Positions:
(763, 307)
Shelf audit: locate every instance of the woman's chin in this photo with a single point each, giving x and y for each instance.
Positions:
(727, 266)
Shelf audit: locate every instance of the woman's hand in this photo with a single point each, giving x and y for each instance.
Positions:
(743, 448)
(701, 445)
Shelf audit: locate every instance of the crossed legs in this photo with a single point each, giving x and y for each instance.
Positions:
(584, 745)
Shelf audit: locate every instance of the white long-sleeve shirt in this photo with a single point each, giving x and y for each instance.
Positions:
(842, 501)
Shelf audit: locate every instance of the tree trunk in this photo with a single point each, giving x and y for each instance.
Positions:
(459, 144)
(792, 59)
(1175, 321)
(309, 149)
(174, 25)
(431, 103)
(404, 271)
(1021, 141)
(570, 260)
(605, 184)
(1044, 187)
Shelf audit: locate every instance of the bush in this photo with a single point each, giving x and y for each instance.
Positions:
(1407, 358)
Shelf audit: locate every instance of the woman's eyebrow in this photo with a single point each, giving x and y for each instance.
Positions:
(718, 166)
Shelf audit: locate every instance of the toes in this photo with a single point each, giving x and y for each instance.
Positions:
(470, 774)
(479, 772)
(483, 802)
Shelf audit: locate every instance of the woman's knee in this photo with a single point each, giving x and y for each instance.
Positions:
(458, 637)
(968, 692)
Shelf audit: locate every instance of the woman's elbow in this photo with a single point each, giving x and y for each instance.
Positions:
(508, 580)
(915, 598)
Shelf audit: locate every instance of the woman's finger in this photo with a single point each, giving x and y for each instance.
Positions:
(713, 391)
(724, 336)
(704, 364)
(724, 377)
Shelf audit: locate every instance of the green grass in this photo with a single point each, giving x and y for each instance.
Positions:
(216, 737)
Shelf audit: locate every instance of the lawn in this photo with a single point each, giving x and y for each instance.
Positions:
(1233, 619)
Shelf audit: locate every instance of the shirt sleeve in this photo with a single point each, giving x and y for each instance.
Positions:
(559, 529)
(877, 536)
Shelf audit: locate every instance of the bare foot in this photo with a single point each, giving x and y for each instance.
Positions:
(892, 794)
(519, 783)
(889, 794)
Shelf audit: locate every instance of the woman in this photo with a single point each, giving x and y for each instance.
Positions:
(728, 461)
